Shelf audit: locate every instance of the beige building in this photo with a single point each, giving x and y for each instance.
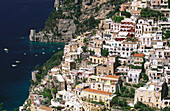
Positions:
(105, 69)
(91, 95)
(107, 83)
(151, 94)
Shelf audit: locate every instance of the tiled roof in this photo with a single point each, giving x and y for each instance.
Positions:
(126, 3)
(45, 108)
(138, 55)
(97, 91)
(110, 76)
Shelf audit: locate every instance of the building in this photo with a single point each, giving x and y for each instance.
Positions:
(97, 96)
(133, 76)
(151, 94)
(107, 83)
(61, 82)
(105, 69)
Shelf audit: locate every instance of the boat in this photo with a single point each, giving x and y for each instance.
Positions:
(36, 55)
(59, 48)
(43, 52)
(25, 53)
(53, 50)
(14, 65)
(42, 48)
(6, 50)
(17, 61)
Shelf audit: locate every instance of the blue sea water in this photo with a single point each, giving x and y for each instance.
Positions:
(17, 17)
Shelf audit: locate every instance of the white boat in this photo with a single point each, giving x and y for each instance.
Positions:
(42, 48)
(59, 48)
(25, 53)
(36, 55)
(43, 52)
(14, 65)
(53, 50)
(6, 50)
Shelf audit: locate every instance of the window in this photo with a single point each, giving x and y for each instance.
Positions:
(95, 97)
(100, 97)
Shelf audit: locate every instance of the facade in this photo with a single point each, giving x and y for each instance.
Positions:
(97, 96)
(152, 94)
(107, 83)
(133, 76)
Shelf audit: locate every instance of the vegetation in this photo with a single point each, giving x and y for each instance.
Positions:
(167, 34)
(84, 80)
(164, 18)
(55, 60)
(119, 102)
(126, 14)
(91, 52)
(149, 13)
(117, 19)
(104, 52)
(47, 94)
(111, 13)
(166, 109)
(126, 92)
(144, 77)
(138, 85)
(54, 90)
(143, 107)
(135, 67)
(84, 48)
(102, 103)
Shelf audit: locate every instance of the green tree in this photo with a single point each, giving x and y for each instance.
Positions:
(37, 68)
(167, 34)
(166, 109)
(126, 14)
(84, 80)
(117, 19)
(54, 90)
(104, 52)
(85, 40)
(84, 48)
(164, 18)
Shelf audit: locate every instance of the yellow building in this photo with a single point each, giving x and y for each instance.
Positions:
(107, 83)
(105, 69)
(98, 60)
(92, 95)
(151, 94)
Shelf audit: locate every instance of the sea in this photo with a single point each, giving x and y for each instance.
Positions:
(17, 17)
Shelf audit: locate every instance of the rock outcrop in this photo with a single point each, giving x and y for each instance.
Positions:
(66, 27)
(72, 17)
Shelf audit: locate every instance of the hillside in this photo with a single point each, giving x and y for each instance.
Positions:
(73, 17)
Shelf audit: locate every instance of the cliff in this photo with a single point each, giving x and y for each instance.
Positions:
(73, 17)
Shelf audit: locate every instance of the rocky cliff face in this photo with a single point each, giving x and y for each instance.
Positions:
(66, 27)
(73, 17)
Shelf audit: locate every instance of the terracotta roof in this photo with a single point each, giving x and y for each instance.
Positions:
(97, 91)
(138, 55)
(113, 84)
(110, 76)
(126, 3)
(45, 108)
